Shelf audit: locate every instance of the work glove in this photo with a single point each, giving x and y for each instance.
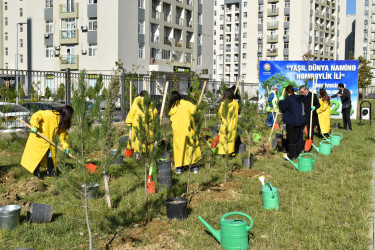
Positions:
(130, 127)
(312, 108)
(33, 130)
(67, 151)
(281, 98)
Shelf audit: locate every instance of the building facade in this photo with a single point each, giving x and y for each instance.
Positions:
(151, 37)
(246, 32)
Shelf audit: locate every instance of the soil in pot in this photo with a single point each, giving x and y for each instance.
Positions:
(176, 208)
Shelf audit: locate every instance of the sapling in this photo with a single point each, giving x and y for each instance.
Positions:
(148, 134)
(108, 132)
(85, 137)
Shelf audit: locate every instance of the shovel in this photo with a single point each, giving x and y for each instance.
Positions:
(150, 184)
(309, 142)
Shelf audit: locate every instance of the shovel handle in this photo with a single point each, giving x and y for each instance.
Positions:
(238, 83)
(242, 214)
(204, 87)
(44, 137)
(163, 102)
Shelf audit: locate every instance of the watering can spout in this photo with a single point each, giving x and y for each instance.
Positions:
(294, 164)
(317, 149)
(214, 232)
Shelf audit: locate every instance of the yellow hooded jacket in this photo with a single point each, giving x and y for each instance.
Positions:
(182, 119)
(133, 119)
(231, 124)
(324, 116)
(47, 122)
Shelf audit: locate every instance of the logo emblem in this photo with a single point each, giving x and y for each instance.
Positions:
(267, 67)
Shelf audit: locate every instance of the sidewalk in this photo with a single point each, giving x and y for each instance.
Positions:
(372, 214)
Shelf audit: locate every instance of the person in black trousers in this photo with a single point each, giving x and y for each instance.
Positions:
(292, 111)
(307, 108)
(346, 102)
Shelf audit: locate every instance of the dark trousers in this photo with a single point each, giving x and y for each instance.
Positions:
(346, 118)
(293, 135)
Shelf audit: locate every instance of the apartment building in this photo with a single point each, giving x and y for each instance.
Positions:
(246, 32)
(365, 31)
(149, 36)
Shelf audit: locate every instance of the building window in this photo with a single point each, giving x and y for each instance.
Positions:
(6, 36)
(243, 76)
(199, 39)
(141, 51)
(21, 58)
(286, 45)
(244, 35)
(5, 5)
(221, 37)
(245, 14)
(21, 12)
(244, 56)
(244, 25)
(6, 51)
(155, 53)
(141, 27)
(244, 65)
(221, 47)
(287, 18)
(165, 54)
(93, 50)
(199, 60)
(287, 4)
(214, 42)
(49, 27)
(5, 21)
(245, 4)
(221, 27)
(6, 65)
(49, 3)
(260, 20)
(141, 4)
(21, 43)
(93, 1)
(68, 28)
(199, 18)
(244, 45)
(261, 8)
(49, 51)
(214, 32)
(221, 17)
(93, 24)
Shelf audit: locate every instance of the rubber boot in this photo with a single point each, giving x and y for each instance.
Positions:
(297, 150)
(51, 171)
(290, 151)
(37, 173)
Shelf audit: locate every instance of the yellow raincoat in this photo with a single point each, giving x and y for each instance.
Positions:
(181, 119)
(133, 119)
(231, 123)
(324, 116)
(47, 122)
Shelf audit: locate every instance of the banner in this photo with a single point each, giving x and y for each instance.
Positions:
(297, 73)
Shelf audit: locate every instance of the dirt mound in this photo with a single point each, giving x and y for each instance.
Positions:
(7, 178)
(248, 173)
(26, 187)
(5, 153)
(10, 199)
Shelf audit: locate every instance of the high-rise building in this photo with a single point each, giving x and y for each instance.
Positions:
(150, 37)
(246, 32)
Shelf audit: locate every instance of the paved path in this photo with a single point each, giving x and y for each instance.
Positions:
(372, 215)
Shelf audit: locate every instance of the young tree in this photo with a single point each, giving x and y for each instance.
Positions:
(47, 93)
(365, 74)
(148, 133)
(60, 95)
(108, 131)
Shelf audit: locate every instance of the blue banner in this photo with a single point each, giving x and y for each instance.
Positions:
(328, 74)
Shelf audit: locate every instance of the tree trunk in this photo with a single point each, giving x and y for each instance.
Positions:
(106, 184)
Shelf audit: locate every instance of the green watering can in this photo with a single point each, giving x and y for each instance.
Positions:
(256, 136)
(233, 233)
(335, 138)
(270, 195)
(305, 164)
(325, 147)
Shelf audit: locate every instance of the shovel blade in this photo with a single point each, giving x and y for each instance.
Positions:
(308, 144)
(276, 126)
(151, 187)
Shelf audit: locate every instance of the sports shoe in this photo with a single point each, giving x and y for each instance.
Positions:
(179, 170)
(195, 169)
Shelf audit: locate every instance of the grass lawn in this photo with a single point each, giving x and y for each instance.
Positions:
(327, 208)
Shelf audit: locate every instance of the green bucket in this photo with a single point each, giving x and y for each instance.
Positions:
(305, 164)
(270, 197)
(256, 137)
(336, 138)
(325, 147)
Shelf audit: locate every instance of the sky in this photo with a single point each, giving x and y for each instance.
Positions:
(350, 7)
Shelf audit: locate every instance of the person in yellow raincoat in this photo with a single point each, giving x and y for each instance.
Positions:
(181, 115)
(228, 127)
(50, 123)
(324, 112)
(133, 119)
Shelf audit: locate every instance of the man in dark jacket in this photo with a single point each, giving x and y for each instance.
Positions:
(292, 111)
(346, 102)
(307, 109)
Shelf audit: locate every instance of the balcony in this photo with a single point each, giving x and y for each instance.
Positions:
(272, 39)
(167, 41)
(372, 39)
(273, 25)
(273, 12)
(69, 11)
(273, 1)
(157, 15)
(189, 45)
(69, 36)
(189, 23)
(179, 20)
(69, 62)
(178, 43)
(272, 52)
(167, 17)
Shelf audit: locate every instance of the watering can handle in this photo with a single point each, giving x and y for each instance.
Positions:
(271, 187)
(239, 213)
(336, 133)
(311, 155)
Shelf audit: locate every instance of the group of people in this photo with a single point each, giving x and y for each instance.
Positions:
(300, 110)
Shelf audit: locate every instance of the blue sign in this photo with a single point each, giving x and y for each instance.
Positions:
(328, 74)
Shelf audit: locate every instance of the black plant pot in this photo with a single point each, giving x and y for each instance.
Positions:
(248, 162)
(117, 160)
(239, 131)
(124, 140)
(164, 176)
(242, 149)
(39, 213)
(176, 208)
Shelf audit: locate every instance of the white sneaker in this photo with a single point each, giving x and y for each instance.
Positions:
(179, 170)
